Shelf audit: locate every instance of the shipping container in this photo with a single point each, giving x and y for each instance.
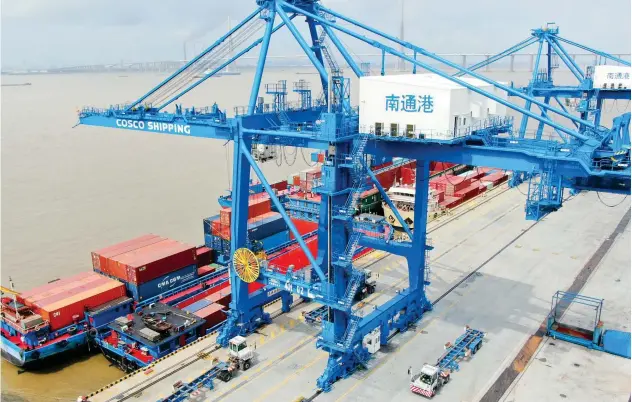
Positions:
(213, 315)
(61, 312)
(40, 292)
(153, 261)
(204, 256)
(102, 259)
(303, 227)
(425, 104)
(254, 286)
(276, 240)
(207, 223)
(222, 297)
(205, 270)
(204, 290)
(294, 255)
(145, 290)
(200, 304)
(282, 185)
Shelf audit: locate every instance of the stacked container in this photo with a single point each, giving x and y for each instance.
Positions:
(149, 266)
(64, 302)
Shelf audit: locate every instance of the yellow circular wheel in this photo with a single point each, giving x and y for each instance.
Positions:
(246, 265)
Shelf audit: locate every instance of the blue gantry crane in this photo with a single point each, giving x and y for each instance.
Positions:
(586, 156)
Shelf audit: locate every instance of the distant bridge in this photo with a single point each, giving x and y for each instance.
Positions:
(516, 62)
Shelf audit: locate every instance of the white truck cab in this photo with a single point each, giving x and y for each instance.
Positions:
(239, 352)
(429, 380)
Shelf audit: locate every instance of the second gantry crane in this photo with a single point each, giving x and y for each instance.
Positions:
(577, 160)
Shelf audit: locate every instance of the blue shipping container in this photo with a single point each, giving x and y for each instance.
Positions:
(198, 305)
(267, 227)
(162, 284)
(276, 240)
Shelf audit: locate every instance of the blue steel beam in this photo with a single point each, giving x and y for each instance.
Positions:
(343, 51)
(597, 52)
(263, 53)
(195, 59)
(534, 75)
(297, 35)
(222, 66)
(386, 198)
(564, 108)
(246, 153)
(175, 125)
(435, 57)
(569, 63)
(515, 48)
(569, 60)
(318, 53)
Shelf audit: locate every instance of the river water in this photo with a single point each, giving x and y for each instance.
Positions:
(67, 191)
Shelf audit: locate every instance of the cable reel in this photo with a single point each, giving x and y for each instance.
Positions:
(246, 265)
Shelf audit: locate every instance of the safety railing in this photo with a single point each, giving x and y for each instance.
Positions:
(496, 123)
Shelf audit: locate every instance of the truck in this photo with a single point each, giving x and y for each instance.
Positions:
(431, 378)
(240, 357)
(368, 286)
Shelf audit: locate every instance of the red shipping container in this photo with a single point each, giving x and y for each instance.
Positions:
(204, 294)
(408, 176)
(225, 216)
(254, 286)
(212, 314)
(222, 297)
(101, 257)
(282, 185)
(61, 285)
(203, 255)
(303, 227)
(63, 312)
(473, 189)
(142, 265)
(205, 270)
(69, 290)
(296, 180)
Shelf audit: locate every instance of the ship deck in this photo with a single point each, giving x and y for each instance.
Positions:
(491, 269)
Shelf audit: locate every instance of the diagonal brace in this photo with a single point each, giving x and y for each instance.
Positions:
(299, 238)
(386, 198)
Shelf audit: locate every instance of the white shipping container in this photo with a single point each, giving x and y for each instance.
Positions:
(426, 104)
(612, 77)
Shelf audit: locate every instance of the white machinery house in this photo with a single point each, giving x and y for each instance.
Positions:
(424, 106)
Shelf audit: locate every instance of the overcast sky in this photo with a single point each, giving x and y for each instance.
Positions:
(44, 33)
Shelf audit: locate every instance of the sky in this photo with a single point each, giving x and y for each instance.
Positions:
(46, 33)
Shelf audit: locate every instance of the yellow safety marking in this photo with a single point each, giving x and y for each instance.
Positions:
(536, 249)
(292, 323)
(266, 367)
(273, 389)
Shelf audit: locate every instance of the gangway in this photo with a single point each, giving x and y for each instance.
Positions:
(565, 322)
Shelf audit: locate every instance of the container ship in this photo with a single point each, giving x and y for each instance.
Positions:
(149, 296)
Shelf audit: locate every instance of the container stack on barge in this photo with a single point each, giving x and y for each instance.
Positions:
(136, 277)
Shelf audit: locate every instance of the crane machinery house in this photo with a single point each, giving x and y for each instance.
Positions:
(425, 106)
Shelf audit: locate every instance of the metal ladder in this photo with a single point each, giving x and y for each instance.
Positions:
(352, 287)
(333, 64)
(284, 118)
(352, 328)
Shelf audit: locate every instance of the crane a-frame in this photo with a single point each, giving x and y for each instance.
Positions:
(586, 156)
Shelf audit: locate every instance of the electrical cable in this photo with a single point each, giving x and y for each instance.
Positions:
(305, 160)
(295, 154)
(611, 206)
